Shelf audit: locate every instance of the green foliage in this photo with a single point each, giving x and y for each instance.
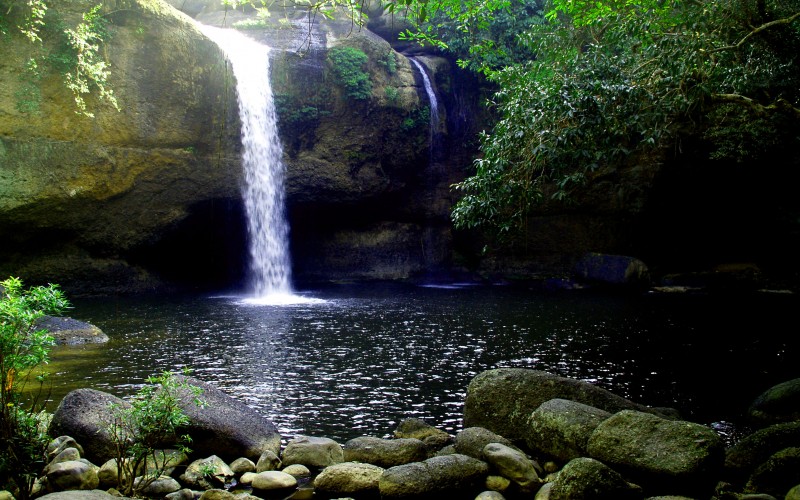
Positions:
(24, 349)
(612, 79)
(90, 72)
(348, 67)
(149, 423)
(28, 97)
(391, 93)
(389, 62)
(73, 51)
(420, 117)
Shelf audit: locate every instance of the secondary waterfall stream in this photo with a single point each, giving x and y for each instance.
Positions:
(434, 106)
(264, 171)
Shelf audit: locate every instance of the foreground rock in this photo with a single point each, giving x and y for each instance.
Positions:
(503, 399)
(453, 474)
(85, 415)
(627, 454)
(225, 426)
(780, 403)
(669, 456)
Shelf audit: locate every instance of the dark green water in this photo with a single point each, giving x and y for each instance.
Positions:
(369, 356)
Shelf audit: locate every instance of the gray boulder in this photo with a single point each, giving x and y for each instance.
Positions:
(85, 415)
(225, 426)
(668, 457)
(503, 399)
(349, 479)
(454, 474)
(589, 479)
(312, 452)
(779, 403)
(384, 452)
(560, 428)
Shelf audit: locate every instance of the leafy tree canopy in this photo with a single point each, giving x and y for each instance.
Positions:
(583, 84)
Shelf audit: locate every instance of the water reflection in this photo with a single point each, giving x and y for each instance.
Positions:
(363, 358)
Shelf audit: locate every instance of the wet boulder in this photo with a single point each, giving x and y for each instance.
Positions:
(560, 428)
(514, 465)
(668, 457)
(71, 475)
(472, 440)
(225, 426)
(415, 428)
(503, 399)
(85, 415)
(777, 475)
(207, 473)
(454, 474)
(312, 452)
(71, 331)
(588, 478)
(742, 459)
(384, 452)
(272, 481)
(349, 479)
(780, 403)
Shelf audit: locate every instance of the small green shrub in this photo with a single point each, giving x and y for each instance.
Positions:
(348, 67)
(24, 349)
(140, 430)
(389, 62)
(391, 94)
(418, 117)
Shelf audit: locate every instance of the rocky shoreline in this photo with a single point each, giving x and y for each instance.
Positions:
(527, 434)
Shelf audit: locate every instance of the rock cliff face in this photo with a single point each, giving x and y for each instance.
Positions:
(149, 195)
(89, 202)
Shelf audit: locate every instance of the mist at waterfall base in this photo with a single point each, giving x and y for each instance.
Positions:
(264, 170)
(372, 355)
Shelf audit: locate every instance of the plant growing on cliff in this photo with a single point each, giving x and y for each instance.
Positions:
(151, 421)
(348, 67)
(73, 51)
(24, 348)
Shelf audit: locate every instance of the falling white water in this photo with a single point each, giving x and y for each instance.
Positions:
(434, 104)
(264, 170)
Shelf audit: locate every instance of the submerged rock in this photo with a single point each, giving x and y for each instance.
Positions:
(71, 331)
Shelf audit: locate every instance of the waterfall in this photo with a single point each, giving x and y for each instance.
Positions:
(264, 171)
(434, 106)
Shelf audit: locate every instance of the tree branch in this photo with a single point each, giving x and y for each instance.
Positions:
(757, 30)
(760, 109)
